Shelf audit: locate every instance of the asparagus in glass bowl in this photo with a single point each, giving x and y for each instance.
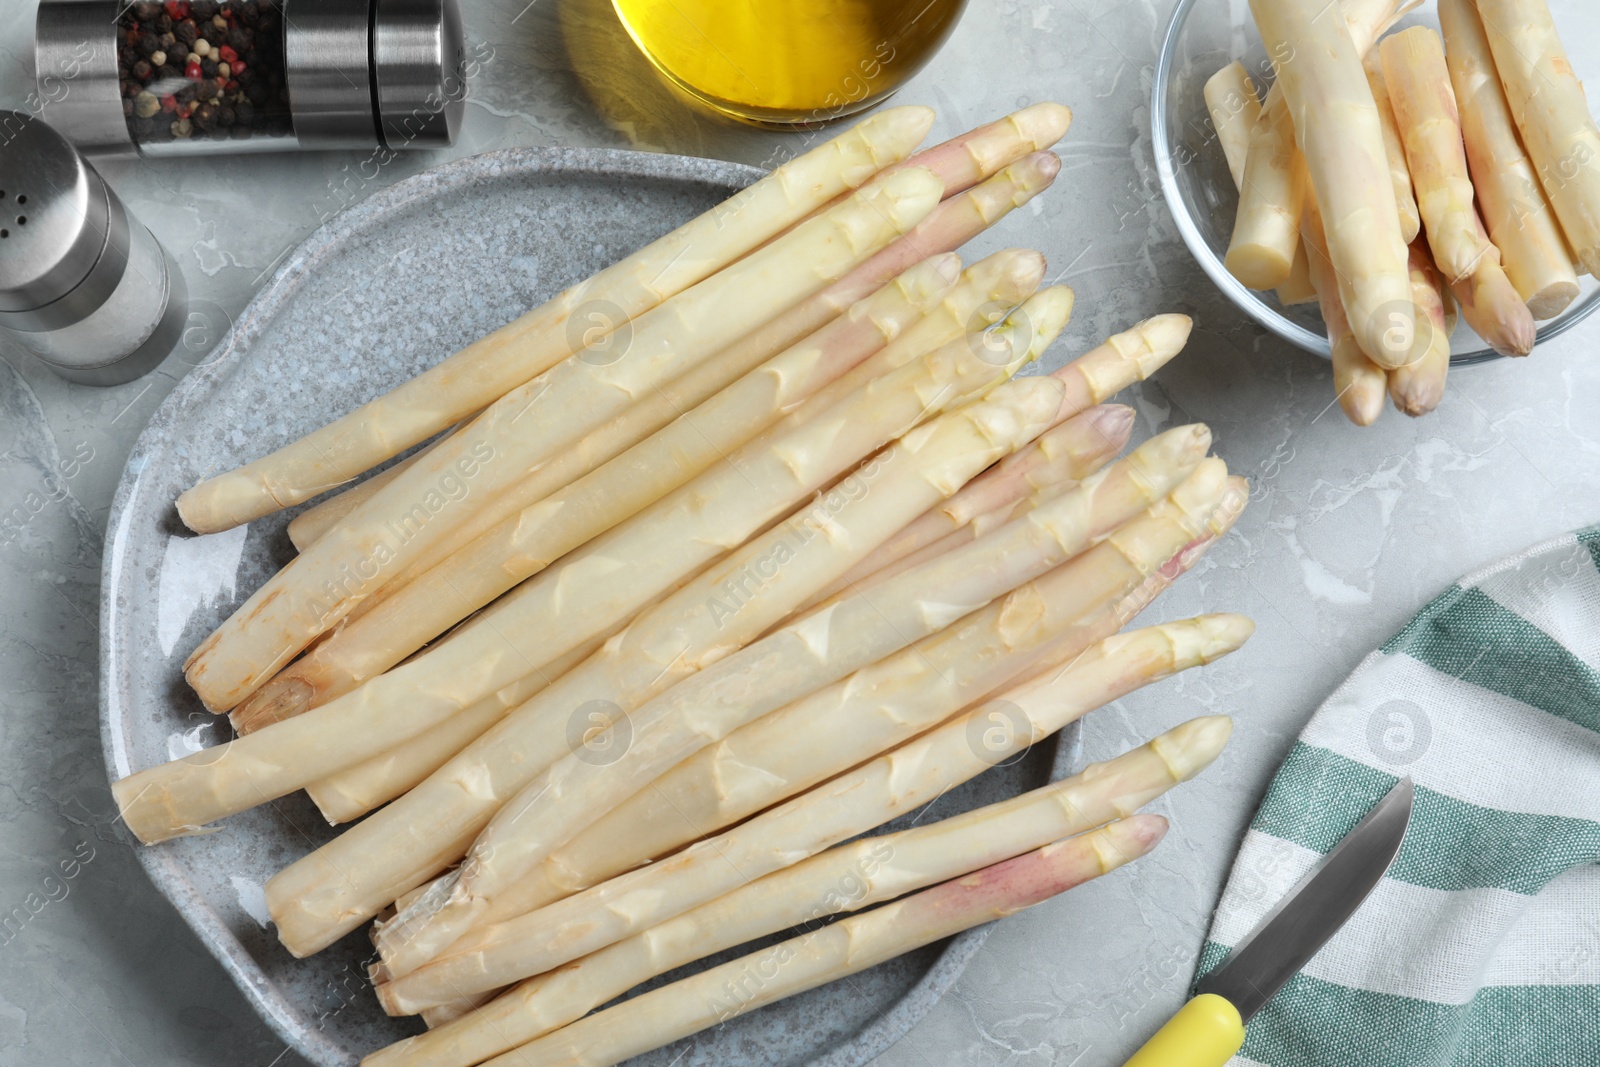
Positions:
(1441, 198)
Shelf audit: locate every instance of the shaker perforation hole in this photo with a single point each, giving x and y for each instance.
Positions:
(22, 220)
(5, 233)
(23, 199)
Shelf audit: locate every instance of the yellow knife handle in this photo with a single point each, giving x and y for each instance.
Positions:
(1206, 1032)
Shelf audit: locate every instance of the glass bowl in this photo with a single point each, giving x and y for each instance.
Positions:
(1203, 37)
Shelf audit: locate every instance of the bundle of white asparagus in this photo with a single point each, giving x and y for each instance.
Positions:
(1476, 148)
(615, 664)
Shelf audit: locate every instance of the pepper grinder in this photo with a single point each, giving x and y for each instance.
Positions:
(83, 285)
(191, 77)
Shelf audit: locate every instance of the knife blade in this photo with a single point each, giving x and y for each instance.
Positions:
(1209, 1029)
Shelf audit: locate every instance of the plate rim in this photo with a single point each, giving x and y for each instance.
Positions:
(200, 383)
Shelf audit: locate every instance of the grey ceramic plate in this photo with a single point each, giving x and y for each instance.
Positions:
(383, 291)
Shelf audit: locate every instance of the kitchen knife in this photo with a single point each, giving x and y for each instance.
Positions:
(1209, 1029)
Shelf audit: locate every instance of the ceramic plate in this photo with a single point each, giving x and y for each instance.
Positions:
(386, 289)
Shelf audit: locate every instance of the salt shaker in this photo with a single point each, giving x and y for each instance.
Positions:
(83, 285)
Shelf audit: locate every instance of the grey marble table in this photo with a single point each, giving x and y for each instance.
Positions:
(1348, 533)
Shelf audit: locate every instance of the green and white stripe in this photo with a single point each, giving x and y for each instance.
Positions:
(1482, 945)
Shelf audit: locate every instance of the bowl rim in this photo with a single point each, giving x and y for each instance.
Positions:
(1243, 297)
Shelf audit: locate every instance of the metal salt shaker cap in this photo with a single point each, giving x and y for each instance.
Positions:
(63, 235)
(83, 286)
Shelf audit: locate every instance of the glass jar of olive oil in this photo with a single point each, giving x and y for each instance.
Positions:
(789, 62)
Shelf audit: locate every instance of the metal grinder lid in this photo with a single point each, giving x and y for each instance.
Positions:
(419, 60)
(371, 72)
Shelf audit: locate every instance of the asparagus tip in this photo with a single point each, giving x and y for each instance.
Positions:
(1114, 422)
(1012, 273)
(946, 266)
(1046, 165)
(1189, 748)
(1044, 123)
(914, 118)
(1119, 843)
(1222, 633)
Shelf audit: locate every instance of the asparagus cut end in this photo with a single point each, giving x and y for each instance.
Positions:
(282, 698)
(1259, 266)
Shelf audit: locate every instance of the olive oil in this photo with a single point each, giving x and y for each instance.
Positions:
(789, 62)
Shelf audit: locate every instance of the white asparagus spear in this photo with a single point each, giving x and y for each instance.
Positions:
(842, 948)
(968, 158)
(950, 225)
(1234, 106)
(528, 542)
(1358, 382)
(1235, 111)
(532, 422)
(1519, 218)
(1091, 629)
(1337, 129)
(561, 801)
(618, 573)
(872, 794)
(1261, 250)
(1394, 149)
(1430, 127)
(845, 878)
(1552, 114)
(482, 372)
(1365, 18)
(415, 837)
(1417, 388)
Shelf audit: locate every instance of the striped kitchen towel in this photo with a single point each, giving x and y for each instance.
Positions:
(1482, 944)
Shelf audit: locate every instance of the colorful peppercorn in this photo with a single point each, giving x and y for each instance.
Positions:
(202, 68)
